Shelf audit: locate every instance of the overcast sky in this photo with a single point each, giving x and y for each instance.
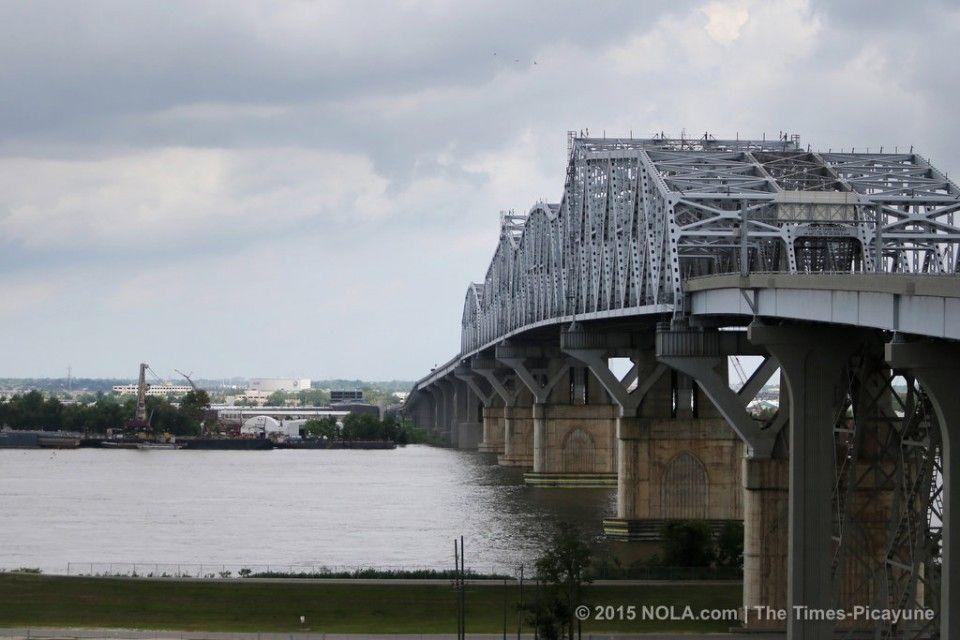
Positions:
(273, 189)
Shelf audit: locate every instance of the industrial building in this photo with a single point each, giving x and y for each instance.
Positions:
(159, 390)
(347, 395)
(269, 385)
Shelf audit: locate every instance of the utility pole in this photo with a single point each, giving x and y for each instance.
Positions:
(505, 592)
(520, 608)
(463, 591)
(458, 587)
(456, 581)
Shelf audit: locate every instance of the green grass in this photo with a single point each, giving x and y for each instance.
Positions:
(51, 601)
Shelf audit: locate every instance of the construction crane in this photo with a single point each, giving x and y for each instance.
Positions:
(187, 376)
(139, 422)
(203, 426)
(738, 367)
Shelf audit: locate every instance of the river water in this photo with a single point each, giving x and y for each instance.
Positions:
(93, 510)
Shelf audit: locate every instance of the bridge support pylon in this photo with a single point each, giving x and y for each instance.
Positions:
(486, 425)
(702, 355)
(815, 365)
(574, 428)
(491, 439)
(446, 423)
(517, 412)
(467, 422)
(676, 457)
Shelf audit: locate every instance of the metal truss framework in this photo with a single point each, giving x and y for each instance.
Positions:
(887, 501)
(638, 217)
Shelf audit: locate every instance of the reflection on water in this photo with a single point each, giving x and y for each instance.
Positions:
(283, 507)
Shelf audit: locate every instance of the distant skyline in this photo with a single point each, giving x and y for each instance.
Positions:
(280, 189)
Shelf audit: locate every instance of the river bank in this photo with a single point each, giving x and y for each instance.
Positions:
(341, 607)
(67, 440)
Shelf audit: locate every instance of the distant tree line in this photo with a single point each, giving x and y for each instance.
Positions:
(34, 411)
(61, 385)
(364, 426)
(321, 397)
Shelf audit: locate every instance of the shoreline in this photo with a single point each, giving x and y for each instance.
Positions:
(390, 607)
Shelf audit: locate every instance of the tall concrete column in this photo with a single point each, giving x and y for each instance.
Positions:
(444, 400)
(518, 433)
(539, 416)
(814, 362)
(468, 420)
(766, 483)
(418, 408)
(937, 368)
(492, 441)
(633, 471)
(539, 370)
(516, 411)
(433, 409)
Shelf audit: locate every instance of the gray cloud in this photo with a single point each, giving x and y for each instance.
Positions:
(306, 188)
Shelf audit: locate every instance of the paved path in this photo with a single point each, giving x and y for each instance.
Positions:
(132, 634)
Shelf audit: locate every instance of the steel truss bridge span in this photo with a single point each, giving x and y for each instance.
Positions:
(639, 218)
(844, 268)
(917, 304)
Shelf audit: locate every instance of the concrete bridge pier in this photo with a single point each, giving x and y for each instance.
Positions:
(765, 508)
(434, 416)
(422, 410)
(539, 374)
(517, 412)
(491, 440)
(518, 432)
(580, 434)
(493, 416)
(814, 363)
(573, 424)
(467, 423)
(482, 397)
(702, 355)
(447, 413)
(676, 457)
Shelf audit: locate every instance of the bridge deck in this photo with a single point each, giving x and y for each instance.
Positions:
(926, 305)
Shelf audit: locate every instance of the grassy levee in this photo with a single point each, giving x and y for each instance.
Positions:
(52, 601)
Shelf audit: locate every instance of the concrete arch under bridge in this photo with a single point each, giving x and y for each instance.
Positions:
(837, 270)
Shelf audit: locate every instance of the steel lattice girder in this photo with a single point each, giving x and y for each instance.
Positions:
(637, 217)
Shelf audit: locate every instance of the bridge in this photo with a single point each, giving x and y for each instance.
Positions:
(665, 258)
(239, 414)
